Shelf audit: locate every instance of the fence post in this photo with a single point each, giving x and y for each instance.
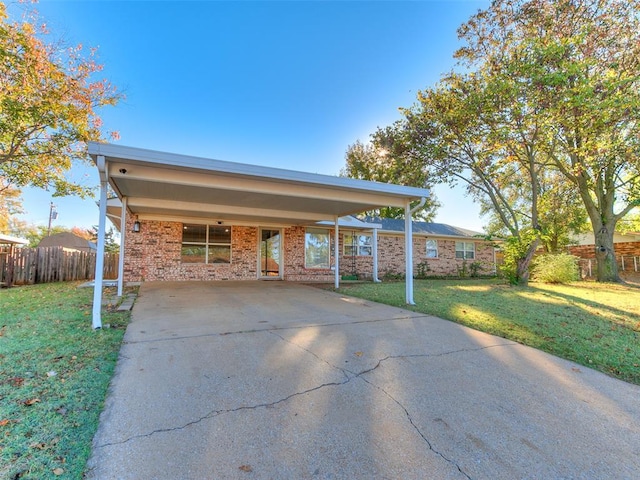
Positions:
(622, 260)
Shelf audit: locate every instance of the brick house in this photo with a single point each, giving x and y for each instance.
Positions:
(192, 218)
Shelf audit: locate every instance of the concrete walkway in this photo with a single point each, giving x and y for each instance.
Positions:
(272, 380)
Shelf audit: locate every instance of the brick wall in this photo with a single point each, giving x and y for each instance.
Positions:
(391, 256)
(628, 249)
(154, 254)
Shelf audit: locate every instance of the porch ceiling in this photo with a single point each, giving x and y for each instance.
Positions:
(167, 186)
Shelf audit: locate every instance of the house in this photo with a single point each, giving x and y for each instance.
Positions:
(192, 218)
(626, 246)
(68, 241)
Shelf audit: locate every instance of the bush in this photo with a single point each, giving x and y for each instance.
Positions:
(556, 268)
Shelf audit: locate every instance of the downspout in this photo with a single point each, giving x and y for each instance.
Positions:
(99, 274)
(336, 255)
(408, 247)
(375, 256)
(123, 229)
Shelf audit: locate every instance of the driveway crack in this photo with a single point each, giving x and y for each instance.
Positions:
(348, 376)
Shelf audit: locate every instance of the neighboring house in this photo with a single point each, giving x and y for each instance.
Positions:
(69, 241)
(627, 245)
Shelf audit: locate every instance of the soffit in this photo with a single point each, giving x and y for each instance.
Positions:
(162, 185)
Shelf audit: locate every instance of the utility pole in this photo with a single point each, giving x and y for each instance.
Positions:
(53, 214)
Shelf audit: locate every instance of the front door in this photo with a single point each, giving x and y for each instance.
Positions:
(270, 253)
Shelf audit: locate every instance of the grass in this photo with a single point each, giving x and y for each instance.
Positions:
(54, 374)
(597, 325)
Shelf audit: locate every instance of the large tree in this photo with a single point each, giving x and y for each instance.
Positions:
(49, 98)
(386, 159)
(580, 62)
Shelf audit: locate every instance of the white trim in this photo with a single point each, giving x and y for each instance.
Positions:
(336, 252)
(96, 321)
(154, 157)
(123, 237)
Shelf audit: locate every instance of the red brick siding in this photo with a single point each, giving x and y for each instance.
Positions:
(628, 249)
(154, 254)
(391, 256)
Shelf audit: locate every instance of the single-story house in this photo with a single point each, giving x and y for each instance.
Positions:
(625, 244)
(68, 241)
(191, 218)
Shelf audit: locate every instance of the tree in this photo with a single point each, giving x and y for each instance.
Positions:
(580, 61)
(10, 204)
(385, 159)
(48, 106)
(473, 128)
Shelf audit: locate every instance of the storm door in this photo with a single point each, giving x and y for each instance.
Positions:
(270, 253)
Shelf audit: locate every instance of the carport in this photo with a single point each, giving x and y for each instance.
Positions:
(160, 185)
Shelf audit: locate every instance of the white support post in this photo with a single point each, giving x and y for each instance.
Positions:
(408, 254)
(375, 255)
(336, 254)
(635, 264)
(99, 274)
(123, 230)
(408, 247)
(622, 259)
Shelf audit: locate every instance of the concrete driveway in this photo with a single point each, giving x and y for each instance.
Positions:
(273, 380)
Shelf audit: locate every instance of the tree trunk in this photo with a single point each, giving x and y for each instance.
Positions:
(522, 269)
(607, 266)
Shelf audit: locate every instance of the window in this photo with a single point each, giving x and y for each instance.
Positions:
(206, 244)
(354, 245)
(317, 248)
(466, 250)
(432, 249)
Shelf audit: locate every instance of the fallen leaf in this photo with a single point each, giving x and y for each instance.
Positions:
(58, 471)
(32, 401)
(39, 446)
(246, 468)
(575, 369)
(4, 422)
(358, 354)
(16, 381)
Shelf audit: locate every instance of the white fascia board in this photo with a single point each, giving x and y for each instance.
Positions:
(139, 155)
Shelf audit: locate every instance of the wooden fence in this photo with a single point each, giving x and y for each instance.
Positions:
(52, 264)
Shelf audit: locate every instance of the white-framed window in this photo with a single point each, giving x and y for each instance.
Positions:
(432, 248)
(317, 248)
(466, 250)
(354, 245)
(206, 244)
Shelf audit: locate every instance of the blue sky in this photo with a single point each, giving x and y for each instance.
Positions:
(285, 84)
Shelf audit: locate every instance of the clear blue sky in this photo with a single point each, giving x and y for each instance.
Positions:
(285, 84)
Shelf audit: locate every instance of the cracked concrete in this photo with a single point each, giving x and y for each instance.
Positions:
(267, 380)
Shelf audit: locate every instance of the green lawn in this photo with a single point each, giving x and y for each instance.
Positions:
(597, 325)
(54, 374)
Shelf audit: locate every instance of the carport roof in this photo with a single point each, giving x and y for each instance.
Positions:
(168, 186)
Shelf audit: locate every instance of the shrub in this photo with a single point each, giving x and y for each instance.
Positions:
(556, 268)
